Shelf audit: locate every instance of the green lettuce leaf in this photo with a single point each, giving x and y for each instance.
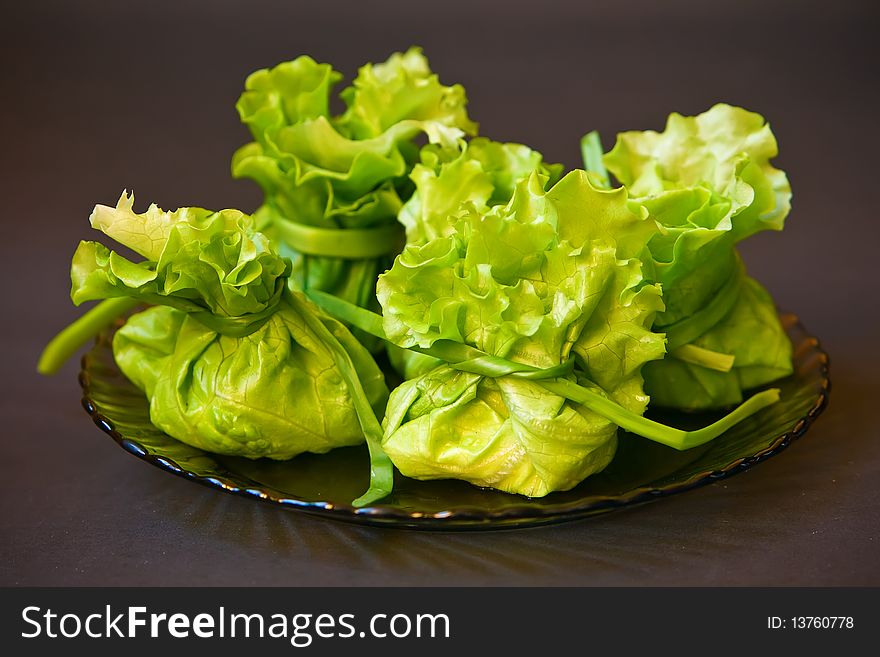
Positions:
(708, 182)
(196, 260)
(481, 172)
(529, 282)
(273, 393)
(321, 172)
(399, 90)
(477, 174)
(751, 333)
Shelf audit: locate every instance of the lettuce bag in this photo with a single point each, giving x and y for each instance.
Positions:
(231, 359)
(333, 185)
(526, 283)
(540, 315)
(708, 182)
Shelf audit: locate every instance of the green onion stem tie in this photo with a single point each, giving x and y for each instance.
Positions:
(469, 359)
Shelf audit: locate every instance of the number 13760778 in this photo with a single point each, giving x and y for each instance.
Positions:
(810, 623)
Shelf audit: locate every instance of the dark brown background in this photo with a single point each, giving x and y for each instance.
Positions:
(100, 96)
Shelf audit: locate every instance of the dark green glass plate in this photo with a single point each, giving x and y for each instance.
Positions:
(324, 484)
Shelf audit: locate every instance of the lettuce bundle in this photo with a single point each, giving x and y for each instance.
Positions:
(334, 185)
(231, 360)
(530, 283)
(708, 183)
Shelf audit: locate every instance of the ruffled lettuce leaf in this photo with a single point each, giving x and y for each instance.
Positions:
(708, 182)
(478, 174)
(346, 171)
(481, 172)
(530, 282)
(196, 260)
(403, 89)
(726, 150)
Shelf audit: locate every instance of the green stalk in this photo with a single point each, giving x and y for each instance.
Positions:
(660, 433)
(364, 319)
(712, 360)
(468, 359)
(68, 342)
(348, 243)
(381, 468)
(591, 152)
